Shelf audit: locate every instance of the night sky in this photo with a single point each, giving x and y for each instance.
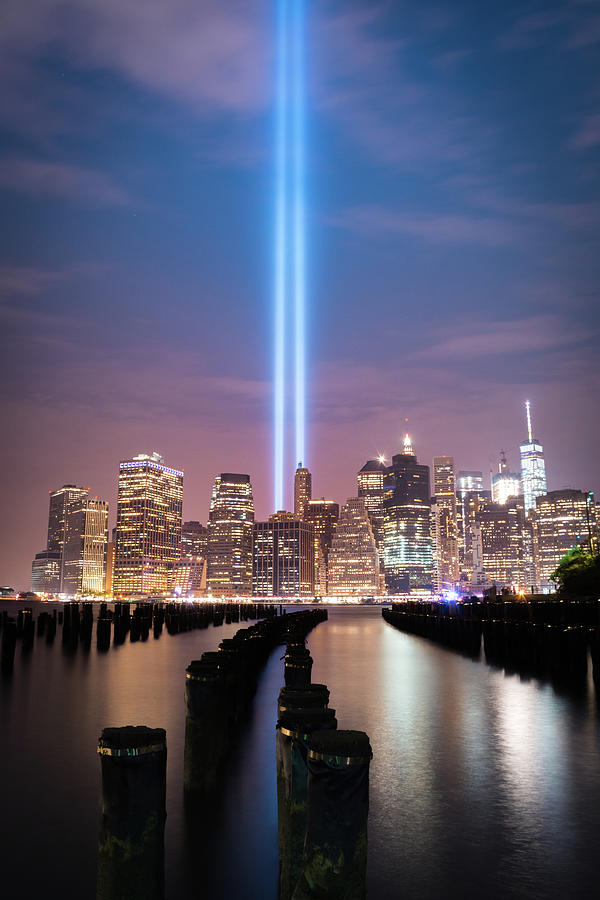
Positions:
(454, 169)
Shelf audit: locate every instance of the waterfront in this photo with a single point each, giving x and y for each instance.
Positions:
(481, 783)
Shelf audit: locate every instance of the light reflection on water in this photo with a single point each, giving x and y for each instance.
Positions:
(482, 785)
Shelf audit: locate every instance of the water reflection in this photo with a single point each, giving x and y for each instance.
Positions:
(482, 784)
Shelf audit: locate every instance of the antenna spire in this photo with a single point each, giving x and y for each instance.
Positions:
(529, 431)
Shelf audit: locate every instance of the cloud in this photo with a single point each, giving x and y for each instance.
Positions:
(531, 30)
(26, 281)
(453, 228)
(527, 335)
(41, 178)
(364, 80)
(587, 135)
(211, 55)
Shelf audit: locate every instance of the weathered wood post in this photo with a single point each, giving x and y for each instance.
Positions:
(131, 853)
(335, 850)
(293, 730)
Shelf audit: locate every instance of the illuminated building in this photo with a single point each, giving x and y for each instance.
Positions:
(45, 573)
(84, 552)
(445, 522)
(229, 543)
(470, 497)
(193, 539)
(110, 566)
(407, 544)
(189, 576)
(353, 566)
(533, 467)
(148, 535)
(190, 571)
(370, 488)
(565, 519)
(302, 491)
(467, 481)
(500, 532)
(505, 483)
(324, 515)
(62, 502)
(283, 562)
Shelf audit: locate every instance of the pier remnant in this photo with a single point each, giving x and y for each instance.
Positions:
(131, 844)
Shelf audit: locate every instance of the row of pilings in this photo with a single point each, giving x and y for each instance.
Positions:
(218, 693)
(126, 621)
(322, 790)
(544, 638)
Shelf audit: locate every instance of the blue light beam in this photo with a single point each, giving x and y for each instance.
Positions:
(281, 275)
(299, 224)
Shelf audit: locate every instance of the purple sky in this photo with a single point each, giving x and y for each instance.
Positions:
(454, 163)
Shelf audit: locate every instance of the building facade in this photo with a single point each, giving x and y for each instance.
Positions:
(353, 558)
(45, 573)
(564, 519)
(63, 502)
(501, 530)
(148, 534)
(323, 515)
(302, 491)
(370, 489)
(407, 541)
(533, 466)
(283, 563)
(445, 522)
(505, 484)
(229, 538)
(85, 548)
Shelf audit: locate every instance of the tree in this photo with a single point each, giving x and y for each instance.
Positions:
(578, 574)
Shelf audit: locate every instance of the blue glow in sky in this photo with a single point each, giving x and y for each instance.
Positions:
(453, 180)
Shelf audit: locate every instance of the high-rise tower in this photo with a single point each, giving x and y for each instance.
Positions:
(84, 553)
(353, 567)
(229, 544)
(370, 489)
(63, 502)
(324, 515)
(302, 491)
(148, 535)
(505, 483)
(407, 545)
(446, 527)
(533, 467)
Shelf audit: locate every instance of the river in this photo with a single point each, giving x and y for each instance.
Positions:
(482, 784)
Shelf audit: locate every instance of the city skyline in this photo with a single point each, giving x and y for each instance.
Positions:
(385, 489)
(451, 225)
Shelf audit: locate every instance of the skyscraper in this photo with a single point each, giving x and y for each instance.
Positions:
(62, 502)
(533, 467)
(446, 526)
(302, 491)
(229, 544)
(505, 483)
(370, 488)
(500, 527)
(148, 535)
(471, 496)
(324, 515)
(353, 568)
(565, 519)
(45, 573)
(283, 558)
(84, 551)
(407, 544)
(190, 571)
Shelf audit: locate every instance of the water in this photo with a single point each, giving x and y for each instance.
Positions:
(482, 785)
